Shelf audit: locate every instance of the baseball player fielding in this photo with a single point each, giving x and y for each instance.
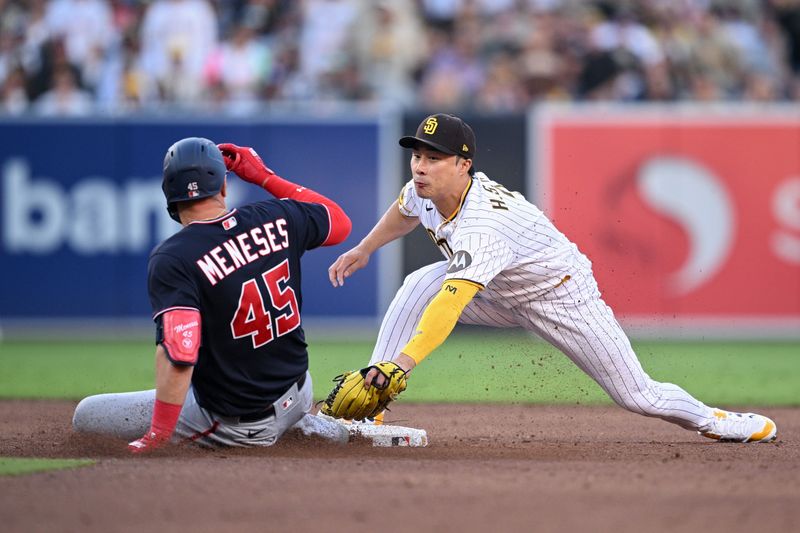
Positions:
(506, 265)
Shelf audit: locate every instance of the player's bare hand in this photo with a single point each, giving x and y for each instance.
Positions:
(375, 377)
(346, 264)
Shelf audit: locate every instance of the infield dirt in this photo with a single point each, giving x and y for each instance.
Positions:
(488, 468)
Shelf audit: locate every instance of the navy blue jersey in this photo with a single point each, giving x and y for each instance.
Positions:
(242, 272)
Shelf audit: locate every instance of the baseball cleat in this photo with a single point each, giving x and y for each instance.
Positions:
(727, 426)
(376, 421)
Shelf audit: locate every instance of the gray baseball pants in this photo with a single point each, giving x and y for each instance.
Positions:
(127, 416)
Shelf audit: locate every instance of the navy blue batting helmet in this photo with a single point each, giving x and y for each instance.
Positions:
(193, 169)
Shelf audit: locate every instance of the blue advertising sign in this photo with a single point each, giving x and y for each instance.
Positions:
(81, 207)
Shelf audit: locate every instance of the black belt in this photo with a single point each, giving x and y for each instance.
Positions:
(269, 411)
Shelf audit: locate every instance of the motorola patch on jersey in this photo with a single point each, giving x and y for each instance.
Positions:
(229, 223)
(460, 261)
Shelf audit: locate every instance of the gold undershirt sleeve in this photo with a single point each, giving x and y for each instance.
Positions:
(440, 317)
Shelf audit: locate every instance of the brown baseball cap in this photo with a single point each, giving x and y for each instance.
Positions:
(446, 133)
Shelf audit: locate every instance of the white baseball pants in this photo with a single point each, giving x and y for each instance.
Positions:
(573, 318)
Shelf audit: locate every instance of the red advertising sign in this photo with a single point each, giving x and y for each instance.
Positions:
(686, 214)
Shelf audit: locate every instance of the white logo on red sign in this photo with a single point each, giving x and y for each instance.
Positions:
(287, 402)
(229, 223)
(696, 199)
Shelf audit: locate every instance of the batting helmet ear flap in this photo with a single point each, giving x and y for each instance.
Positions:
(172, 210)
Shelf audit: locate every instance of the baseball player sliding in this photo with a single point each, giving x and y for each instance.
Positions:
(507, 266)
(231, 360)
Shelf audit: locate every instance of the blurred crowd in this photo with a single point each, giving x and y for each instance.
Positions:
(73, 57)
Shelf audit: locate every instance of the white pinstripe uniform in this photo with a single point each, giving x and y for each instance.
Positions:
(534, 277)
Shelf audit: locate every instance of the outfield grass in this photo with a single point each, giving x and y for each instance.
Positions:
(13, 466)
(469, 367)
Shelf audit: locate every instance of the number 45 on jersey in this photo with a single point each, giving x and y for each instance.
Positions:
(253, 317)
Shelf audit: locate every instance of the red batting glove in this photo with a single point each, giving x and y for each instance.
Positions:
(246, 163)
(165, 418)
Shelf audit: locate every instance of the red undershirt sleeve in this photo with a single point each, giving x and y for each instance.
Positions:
(340, 224)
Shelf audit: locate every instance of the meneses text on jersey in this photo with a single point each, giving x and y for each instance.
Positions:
(240, 252)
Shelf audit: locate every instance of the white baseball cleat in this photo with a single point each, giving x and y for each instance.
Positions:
(727, 426)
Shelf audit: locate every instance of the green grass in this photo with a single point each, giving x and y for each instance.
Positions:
(71, 369)
(469, 367)
(14, 466)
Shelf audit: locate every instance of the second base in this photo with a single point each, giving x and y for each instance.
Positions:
(386, 435)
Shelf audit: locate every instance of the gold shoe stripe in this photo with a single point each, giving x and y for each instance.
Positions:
(769, 427)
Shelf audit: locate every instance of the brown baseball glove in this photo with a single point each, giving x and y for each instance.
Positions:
(350, 400)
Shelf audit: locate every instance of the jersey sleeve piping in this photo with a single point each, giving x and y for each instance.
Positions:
(480, 286)
(330, 223)
(401, 205)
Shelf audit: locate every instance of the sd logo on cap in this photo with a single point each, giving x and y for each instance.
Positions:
(430, 125)
(444, 133)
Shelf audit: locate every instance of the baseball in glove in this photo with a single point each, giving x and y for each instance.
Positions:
(350, 400)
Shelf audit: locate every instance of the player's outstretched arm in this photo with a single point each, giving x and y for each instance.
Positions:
(391, 226)
(435, 325)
